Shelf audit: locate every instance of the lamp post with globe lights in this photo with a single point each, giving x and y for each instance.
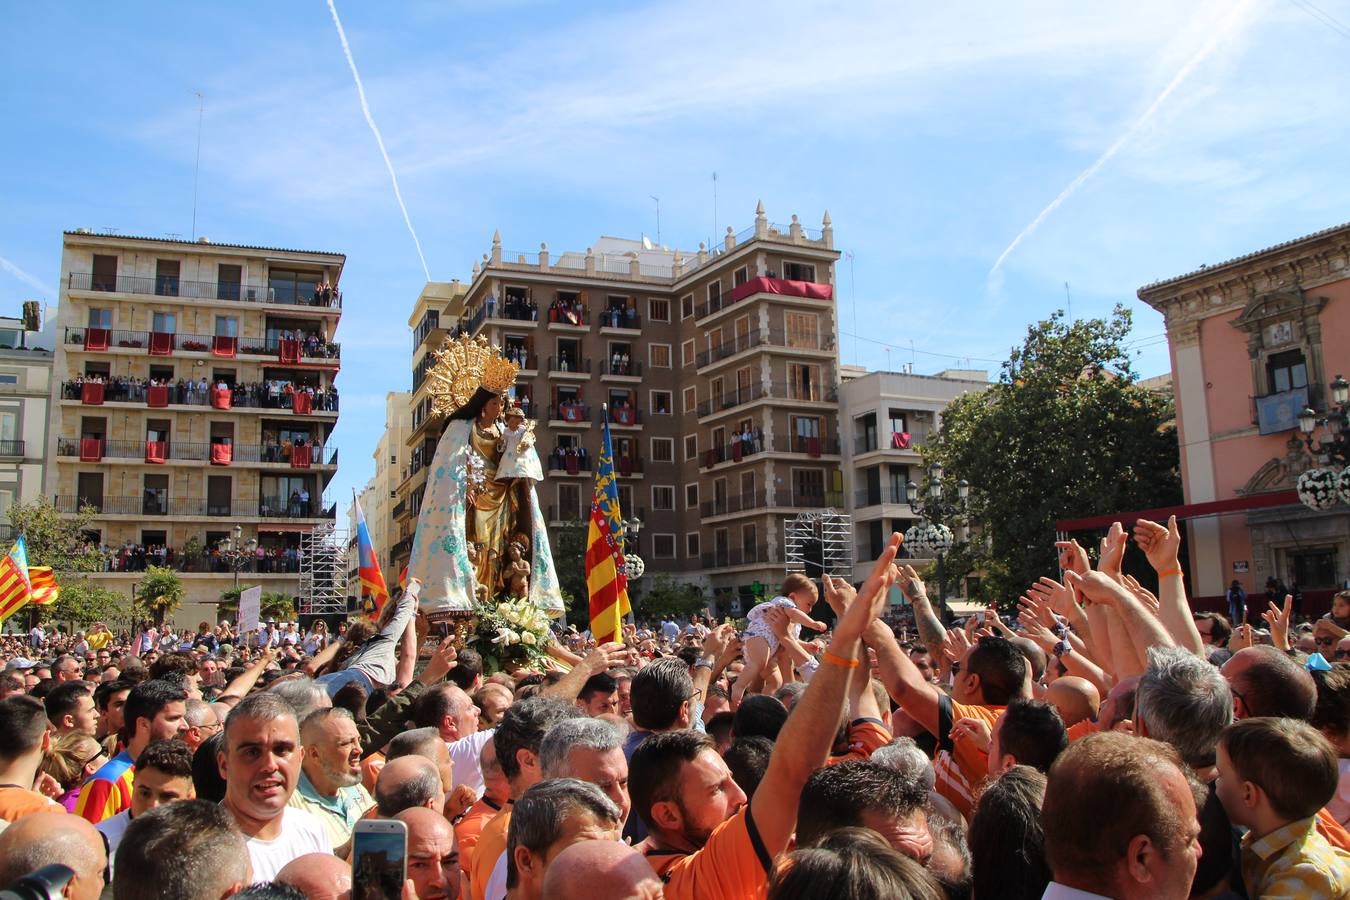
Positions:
(930, 535)
(237, 553)
(1321, 487)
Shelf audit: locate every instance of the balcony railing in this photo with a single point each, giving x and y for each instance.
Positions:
(516, 310)
(833, 499)
(630, 369)
(737, 556)
(11, 448)
(732, 397)
(430, 323)
(163, 343)
(899, 440)
(756, 338)
(563, 462)
(875, 497)
(734, 504)
(811, 446)
(200, 452)
(172, 286)
(569, 364)
(620, 318)
(523, 359)
(156, 503)
(119, 390)
(627, 415)
(577, 413)
(812, 393)
(578, 316)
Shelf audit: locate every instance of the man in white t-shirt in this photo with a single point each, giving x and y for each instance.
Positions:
(260, 759)
(163, 775)
(449, 710)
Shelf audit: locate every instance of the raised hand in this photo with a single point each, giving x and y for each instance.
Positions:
(1072, 557)
(1161, 544)
(956, 643)
(911, 585)
(1145, 596)
(838, 594)
(1242, 638)
(1095, 587)
(1278, 620)
(1058, 596)
(1112, 551)
(977, 731)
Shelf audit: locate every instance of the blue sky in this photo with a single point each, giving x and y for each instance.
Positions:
(935, 135)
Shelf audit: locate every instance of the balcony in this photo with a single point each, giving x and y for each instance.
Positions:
(620, 320)
(11, 448)
(528, 362)
(739, 503)
(253, 396)
(730, 399)
(569, 318)
(811, 446)
(900, 440)
(159, 343)
(876, 496)
(620, 371)
(570, 415)
(172, 286)
(430, 324)
(513, 309)
(154, 503)
(307, 456)
(561, 463)
(756, 338)
(783, 287)
(569, 367)
(830, 499)
(740, 556)
(621, 417)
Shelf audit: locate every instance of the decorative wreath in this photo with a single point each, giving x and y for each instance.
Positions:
(1318, 488)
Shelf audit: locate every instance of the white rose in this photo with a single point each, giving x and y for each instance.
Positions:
(528, 639)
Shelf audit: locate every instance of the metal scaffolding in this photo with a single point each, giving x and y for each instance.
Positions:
(323, 572)
(819, 541)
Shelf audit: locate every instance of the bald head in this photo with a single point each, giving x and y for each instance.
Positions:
(610, 869)
(1074, 698)
(422, 821)
(319, 876)
(1266, 682)
(40, 839)
(408, 782)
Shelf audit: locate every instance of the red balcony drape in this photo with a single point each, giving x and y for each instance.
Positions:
(900, 440)
(736, 450)
(222, 454)
(91, 394)
(709, 459)
(573, 465)
(161, 343)
(302, 404)
(625, 465)
(783, 286)
(623, 416)
(156, 451)
(224, 346)
(813, 446)
(97, 338)
(222, 398)
(91, 449)
(289, 351)
(157, 395)
(300, 457)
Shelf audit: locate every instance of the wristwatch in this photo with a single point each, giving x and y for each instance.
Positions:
(706, 662)
(1059, 629)
(1063, 647)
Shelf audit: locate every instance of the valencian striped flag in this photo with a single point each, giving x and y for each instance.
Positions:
(374, 592)
(15, 587)
(606, 574)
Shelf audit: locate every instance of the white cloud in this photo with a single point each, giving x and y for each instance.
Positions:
(48, 291)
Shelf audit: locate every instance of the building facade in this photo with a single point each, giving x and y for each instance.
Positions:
(886, 418)
(719, 370)
(193, 398)
(25, 400)
(1253, 342)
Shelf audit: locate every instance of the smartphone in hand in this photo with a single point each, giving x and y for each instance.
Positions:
(379, 859)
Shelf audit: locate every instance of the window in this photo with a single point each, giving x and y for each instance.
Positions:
(661, 403)
(663, 497)
(803, 330)
(1315, 569)
(690, 446)
(663, 546)
(691, 496)
(228, 279)
(166, 277)
(691, 545)
(803, 382)
(658, 356)
(658, 310)
(799, 271)
(155, 496)
(100, 318)
(9, 378)
(569, 502)
(227, 326)
(687, 306)
(626, 498)
(291, 287)
(1288, 370)
(899, 479)
(897, 417)
(687, 353)
(808, 487)
(750, 543)
(663, 450)
(9, 426)
(164, 323)
(714, 296)
(105, 275)
(741, 276)
(690, 398)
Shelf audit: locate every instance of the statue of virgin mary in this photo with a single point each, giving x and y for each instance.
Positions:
(474, 508)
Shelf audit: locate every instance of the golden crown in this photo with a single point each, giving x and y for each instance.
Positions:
(461, 367)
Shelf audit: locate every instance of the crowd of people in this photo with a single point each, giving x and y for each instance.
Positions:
(274, 393)
(1104, 741)
(134, 557)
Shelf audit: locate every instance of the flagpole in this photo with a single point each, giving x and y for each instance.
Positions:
(604, 408)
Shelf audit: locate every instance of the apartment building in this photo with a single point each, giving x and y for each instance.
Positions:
(887, 417)
(719, 371)
(193, 400)
(25, 397)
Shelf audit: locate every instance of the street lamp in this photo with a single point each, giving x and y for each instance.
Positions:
(237, 553)
(931, 535)
(1320, 487)
(633, 564)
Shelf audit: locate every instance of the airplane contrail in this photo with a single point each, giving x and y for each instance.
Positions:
(370, 120)
(1238, 13)
(30, 280)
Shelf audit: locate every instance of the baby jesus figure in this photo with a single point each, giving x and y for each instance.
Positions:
(517, 443)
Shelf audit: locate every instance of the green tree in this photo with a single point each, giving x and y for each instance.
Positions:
(160, 593)
(272, 605)
(662, 598)
(568, 545)
(56, 540)
(1065, 432)
(83, 603)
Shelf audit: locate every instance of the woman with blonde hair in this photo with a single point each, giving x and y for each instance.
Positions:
(72, 759)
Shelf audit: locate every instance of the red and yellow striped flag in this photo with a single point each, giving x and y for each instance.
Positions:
(15, 588)
(45, 590)
(606, 571)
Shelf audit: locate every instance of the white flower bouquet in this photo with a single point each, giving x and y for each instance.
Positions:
(510, 635)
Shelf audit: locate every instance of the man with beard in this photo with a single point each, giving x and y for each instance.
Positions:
(260, 760)
(330, 776)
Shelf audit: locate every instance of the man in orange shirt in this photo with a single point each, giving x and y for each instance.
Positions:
(495, 794)
(25, 736)
(705, 840)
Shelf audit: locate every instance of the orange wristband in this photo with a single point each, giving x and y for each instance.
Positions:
(840, 661)
(1171, 572)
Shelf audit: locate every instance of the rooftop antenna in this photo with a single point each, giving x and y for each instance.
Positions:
(658, 218)
(888, 359)
(1068, 298)
(714, 208)
(912, 360)
(197, 166)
